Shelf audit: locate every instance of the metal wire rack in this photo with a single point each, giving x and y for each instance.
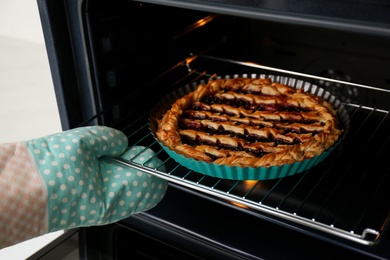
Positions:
(347, 195)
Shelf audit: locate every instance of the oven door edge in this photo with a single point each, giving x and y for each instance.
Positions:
(63, 30)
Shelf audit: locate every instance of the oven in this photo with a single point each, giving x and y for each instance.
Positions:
(113, 61)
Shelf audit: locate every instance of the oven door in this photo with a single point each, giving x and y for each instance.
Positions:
(182, 227)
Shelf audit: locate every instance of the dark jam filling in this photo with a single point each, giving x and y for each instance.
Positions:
(209, 100)
(219, 145)
(249, 138)
(190, 114)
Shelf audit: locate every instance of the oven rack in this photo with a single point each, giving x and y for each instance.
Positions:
(337, 197)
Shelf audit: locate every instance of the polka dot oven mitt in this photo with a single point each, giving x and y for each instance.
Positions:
(62, 181)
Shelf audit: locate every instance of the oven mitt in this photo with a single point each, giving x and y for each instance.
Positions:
(63, 181)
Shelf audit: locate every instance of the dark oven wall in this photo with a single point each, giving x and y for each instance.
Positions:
(140, 50)
(133, 45)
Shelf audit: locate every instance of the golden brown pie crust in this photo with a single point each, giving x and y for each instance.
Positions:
(249, 123)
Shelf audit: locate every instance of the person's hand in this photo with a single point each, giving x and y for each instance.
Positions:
(61, 181)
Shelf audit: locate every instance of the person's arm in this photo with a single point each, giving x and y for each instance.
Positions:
(61, 181)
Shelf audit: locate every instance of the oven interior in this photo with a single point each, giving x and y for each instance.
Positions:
(135, 53)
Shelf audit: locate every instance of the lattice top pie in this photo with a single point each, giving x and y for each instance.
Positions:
(249, 123)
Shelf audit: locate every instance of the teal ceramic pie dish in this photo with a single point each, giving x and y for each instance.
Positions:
(250, 173)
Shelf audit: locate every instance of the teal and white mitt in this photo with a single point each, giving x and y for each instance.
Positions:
(61, 181)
